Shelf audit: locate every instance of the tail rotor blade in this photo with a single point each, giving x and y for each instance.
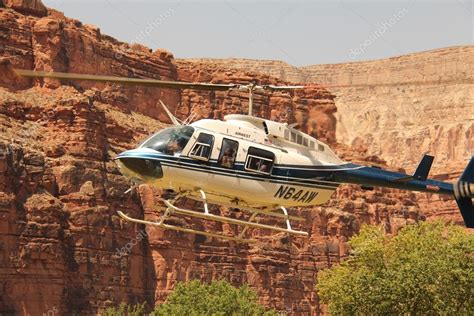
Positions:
(464, 192)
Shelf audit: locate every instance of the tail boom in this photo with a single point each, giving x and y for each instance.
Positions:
(462, 191)
(371, 176)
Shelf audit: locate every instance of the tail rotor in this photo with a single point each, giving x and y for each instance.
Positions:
(464, 192)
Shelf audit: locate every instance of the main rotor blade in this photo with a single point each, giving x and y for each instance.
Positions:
(394, 84)
(124, 80)
(272, 87)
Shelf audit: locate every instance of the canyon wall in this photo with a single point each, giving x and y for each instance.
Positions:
(412, 104)
(274, 68)
(64, 250)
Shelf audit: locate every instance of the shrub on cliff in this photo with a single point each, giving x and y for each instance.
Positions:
(217, 298)
(125, 310)
(426, 269)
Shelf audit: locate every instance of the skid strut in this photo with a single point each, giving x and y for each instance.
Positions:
(252, 222)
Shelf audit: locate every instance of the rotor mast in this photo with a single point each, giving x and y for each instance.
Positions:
(251, 88)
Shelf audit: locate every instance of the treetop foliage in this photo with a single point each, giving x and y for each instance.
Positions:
(426, 269)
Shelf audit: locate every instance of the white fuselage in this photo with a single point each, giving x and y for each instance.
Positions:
(292, 180)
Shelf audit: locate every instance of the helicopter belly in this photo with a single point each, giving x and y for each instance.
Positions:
(229, 186)
(180, 179)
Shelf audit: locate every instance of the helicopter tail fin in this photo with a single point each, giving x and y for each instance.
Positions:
(421, 172)
(464, 192)
(173, 118)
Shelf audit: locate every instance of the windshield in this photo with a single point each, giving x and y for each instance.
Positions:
(170, 141)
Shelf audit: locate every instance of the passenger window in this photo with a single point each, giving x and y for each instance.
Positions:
(320, 147)
(287, 134)
(311, 144)
(299, 139)
(259, 160)
(228, 153)
(305, 142)
(293, 137)
(203, 147)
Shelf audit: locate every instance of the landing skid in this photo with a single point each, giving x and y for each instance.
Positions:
(252, 221)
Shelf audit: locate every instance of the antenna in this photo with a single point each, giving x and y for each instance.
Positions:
(251, 88)
(173, 118)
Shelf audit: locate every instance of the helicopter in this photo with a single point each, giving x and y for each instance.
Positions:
(253, 164)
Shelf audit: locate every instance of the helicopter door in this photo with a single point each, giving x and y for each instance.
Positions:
(226, 160)
(228, 153)
(201, 151)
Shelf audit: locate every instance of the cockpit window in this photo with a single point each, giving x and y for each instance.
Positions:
(170, 140)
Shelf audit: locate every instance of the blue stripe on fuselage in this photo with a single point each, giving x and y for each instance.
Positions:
(306, 176)
(324, 177)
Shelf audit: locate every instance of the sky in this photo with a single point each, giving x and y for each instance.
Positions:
(298, 32)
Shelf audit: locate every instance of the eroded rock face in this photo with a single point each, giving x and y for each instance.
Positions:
(274, 68)
(62, 245)
(61, 44)
(34, 7)
(428, 106)
(58, 191)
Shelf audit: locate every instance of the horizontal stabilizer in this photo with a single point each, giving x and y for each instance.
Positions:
(421, 172)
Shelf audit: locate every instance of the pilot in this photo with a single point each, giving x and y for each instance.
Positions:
(173, 147)
(228, 158)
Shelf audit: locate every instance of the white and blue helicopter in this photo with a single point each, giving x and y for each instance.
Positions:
(253, 164)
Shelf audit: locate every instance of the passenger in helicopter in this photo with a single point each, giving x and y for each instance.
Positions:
(227, 159)
(263, 167)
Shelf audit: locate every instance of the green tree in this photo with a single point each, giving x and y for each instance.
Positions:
(217, 298)
(125, 310)
(426, 269)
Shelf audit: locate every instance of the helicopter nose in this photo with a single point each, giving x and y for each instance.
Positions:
(140, 168)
